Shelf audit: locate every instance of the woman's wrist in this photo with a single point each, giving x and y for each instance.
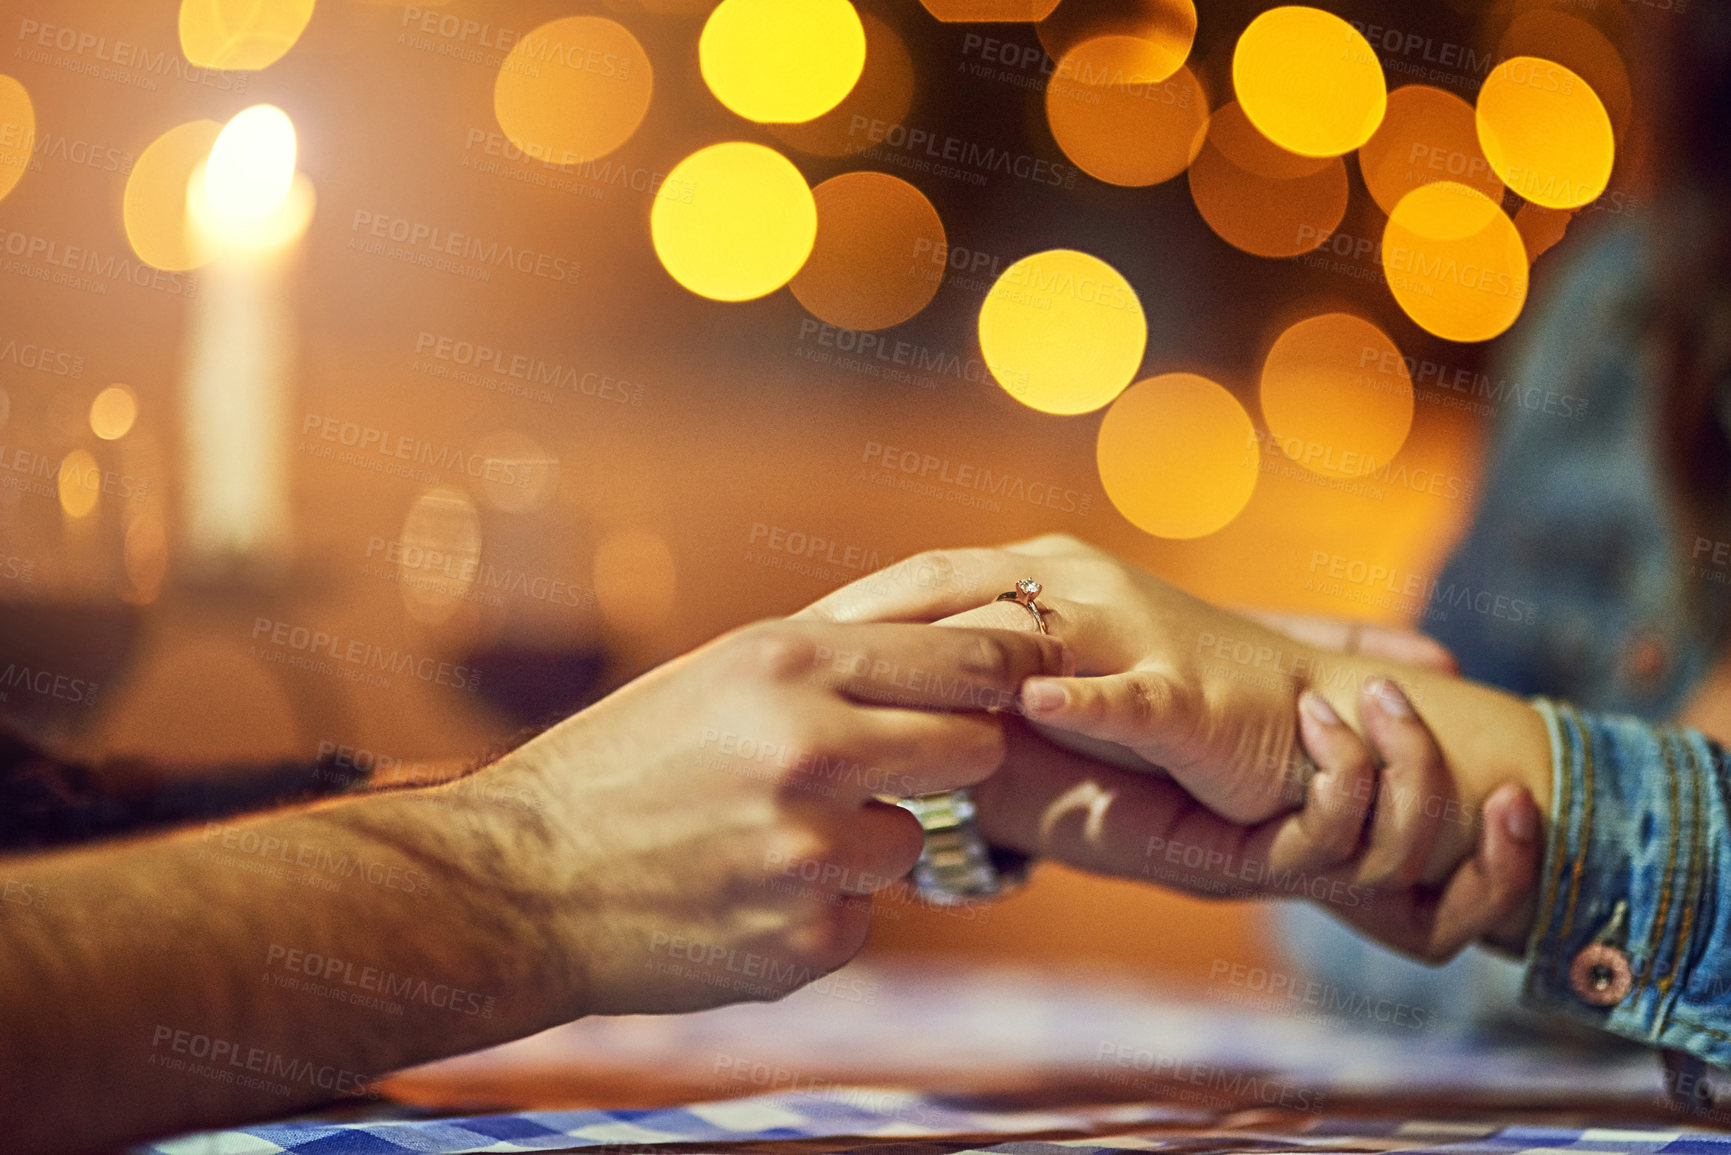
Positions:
(1487, 738)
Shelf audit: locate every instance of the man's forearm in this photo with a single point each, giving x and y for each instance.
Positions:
(255, 967)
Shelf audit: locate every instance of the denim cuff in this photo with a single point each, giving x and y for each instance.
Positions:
(1629, 935)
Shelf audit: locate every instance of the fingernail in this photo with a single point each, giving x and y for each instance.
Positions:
(1391, 697)
(1521, 821)
(1041, 697)
(1318, 708)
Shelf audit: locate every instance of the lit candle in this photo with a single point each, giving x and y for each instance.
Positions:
(248, 209)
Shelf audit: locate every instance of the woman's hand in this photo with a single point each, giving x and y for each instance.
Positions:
(710, 833)
(1354, 847)
(1490, 896)
(1207, 696)
(1179, 686)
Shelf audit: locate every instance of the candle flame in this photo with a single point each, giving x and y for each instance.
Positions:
(251, 169)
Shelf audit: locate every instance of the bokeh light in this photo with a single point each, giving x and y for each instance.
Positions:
(747, 227)
(17, 133)
(241, 35)
(144, 555)
(441, 554)
(636, 581)
(154, 204)
(1455, 262)
(1178, 456)
(1336, 395)
(522, 475)
(1309, 81)
(1232, 133)
(1133, 130)
(1541, 228)
(1166, 28)
(879, 256)
(1579, 47)
(1260, 198)
(1062, 331)
(113, 412)
(782, 61)
(1428, 135)
(1545, 133)
(573, 90)
(883, 95)
(80, 483)
(989, 11)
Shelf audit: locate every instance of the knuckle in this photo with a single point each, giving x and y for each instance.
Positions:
(988, 657)
(775, 650)
(800, 840)
(932, 568)
(1145, 700)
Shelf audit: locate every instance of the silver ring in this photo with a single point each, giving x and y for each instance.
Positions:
(1023, 595)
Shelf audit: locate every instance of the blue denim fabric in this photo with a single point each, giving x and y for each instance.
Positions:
(1573, 519)
(1640, 819)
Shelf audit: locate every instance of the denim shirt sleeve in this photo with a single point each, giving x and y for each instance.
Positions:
(1640, 818)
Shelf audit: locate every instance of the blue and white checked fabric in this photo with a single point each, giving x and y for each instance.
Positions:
(877, 1114)
(832, 1112)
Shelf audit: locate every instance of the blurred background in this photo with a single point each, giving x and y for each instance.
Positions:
(496, 392)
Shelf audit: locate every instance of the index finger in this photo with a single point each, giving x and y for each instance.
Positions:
(922, 588)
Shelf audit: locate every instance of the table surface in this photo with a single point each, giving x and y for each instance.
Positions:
(921, 1061)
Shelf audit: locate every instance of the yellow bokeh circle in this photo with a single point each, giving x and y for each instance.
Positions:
(1309, 81)
(782, 61)
(1062, 331)
(1428, 135)
(241, 35)
(80, 483)
(442, 523)
(1178, 456)
(1337, 395)
(880, 252)
(1546, 133)
(1166, 30)
(746, 228)
(154, 204)
(17, 133)
(883, 95)
(113, 412)
(573, 89)
(1260, 198)
(1455, 262)
(1116, 121)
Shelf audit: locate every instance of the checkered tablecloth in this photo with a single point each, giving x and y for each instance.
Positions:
(913, 1122)
(870, 1112)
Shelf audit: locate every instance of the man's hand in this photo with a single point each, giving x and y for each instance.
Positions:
(713, 834)
(706, 834)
